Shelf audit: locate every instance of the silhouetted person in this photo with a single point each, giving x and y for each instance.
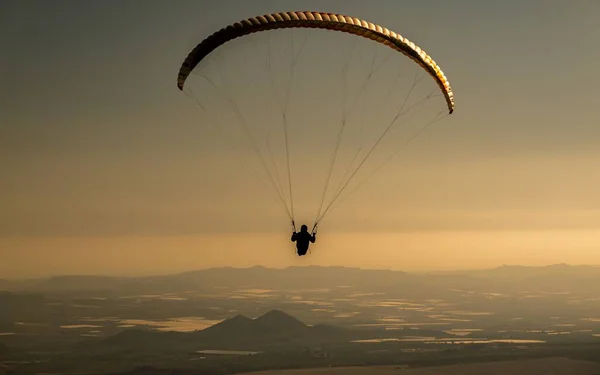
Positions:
(302, 239)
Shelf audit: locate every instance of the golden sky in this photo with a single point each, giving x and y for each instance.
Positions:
(106, 168)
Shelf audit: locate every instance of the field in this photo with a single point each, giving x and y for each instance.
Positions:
(548, 366)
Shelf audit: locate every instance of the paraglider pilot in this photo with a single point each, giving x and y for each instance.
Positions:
(303, 238)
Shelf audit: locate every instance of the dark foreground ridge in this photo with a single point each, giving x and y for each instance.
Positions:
(240, 333)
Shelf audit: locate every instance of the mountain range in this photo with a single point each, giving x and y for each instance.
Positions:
(275, 328)
(553, 278)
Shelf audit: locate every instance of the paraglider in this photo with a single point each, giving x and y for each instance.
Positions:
(303, 239)
(317, 21)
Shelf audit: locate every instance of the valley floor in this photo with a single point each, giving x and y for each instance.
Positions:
(548, 366)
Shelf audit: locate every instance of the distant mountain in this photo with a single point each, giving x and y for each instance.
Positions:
(142, 339)
(105, 285)
(273, 323)
(279, 320)
(236, 327)
(508, 278)
(292, 277)
(552, 278)
(552, 269)
(65, 284)
(240, 333)
(511, 271)
(75, 282)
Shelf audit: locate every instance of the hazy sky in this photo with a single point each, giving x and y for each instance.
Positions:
(105, 167)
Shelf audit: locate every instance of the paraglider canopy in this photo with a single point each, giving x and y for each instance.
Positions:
(329, 21)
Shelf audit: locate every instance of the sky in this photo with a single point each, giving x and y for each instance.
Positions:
(107, 168)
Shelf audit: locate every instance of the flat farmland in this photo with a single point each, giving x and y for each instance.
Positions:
(547, 366)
